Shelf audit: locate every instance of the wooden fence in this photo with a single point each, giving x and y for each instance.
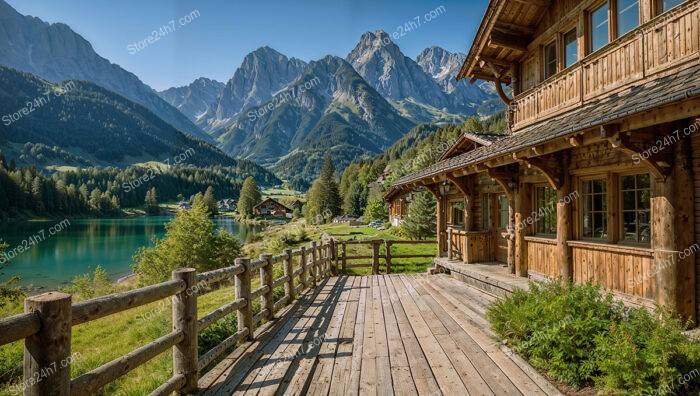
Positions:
(388, 256)
(48, 320)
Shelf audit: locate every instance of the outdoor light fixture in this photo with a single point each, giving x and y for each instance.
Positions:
(444, 188)
(409, 198)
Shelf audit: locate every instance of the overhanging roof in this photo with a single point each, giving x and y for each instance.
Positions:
(659, 92)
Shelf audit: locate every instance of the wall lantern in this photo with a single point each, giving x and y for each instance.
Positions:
(409, 198)
(444, 188)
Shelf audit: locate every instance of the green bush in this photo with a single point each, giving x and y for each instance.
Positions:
(580, 336)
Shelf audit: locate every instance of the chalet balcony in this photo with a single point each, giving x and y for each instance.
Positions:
(662, 46)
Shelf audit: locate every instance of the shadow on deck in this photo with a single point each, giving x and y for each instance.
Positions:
(391, 334)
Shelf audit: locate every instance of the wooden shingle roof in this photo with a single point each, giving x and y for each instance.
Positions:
(659, 92)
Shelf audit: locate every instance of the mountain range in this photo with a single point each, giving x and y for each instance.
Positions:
(279, 111)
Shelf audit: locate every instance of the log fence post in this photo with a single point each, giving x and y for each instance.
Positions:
(245, 313)
(289, 273)
(302, 265)
(344, 258)
(313, 264)
(184, 312)
(388, 256)
(268, 298)
(47, 353)
(334, 249)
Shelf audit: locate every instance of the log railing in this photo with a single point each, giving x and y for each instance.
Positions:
(468, 246)
(343, 256)
(49, 318)
(659, 45)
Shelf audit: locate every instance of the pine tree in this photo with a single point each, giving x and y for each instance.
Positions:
(210, 200)
(421, 220)
(151, 202)
(249, 197)
(328, 202)
(356, 199)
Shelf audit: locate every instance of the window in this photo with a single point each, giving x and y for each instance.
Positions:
(668, 4)
(486, 213)
(457, 213)
(503, 212)
(599, 27)
(636, 203)
(570, 48)
(627, 16)
(546, 210)
(595, 208)
(550, 60)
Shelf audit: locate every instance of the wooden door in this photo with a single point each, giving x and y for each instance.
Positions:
(501, 228)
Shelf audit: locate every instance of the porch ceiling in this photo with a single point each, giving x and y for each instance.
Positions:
(659, 92)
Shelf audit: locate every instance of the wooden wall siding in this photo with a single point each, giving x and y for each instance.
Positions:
(660, 45)
(478, 248)
(614, 269)
(695, 149)
(673, 41)
(541, 256)
(599, 154)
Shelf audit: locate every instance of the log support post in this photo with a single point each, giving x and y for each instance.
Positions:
(564, 225)
(449, 243)
(245, 313)
(333, 257)
(523, 205)
(388, 256)
(268, 299)
(289, 273)
(185, 359)
(48, 351)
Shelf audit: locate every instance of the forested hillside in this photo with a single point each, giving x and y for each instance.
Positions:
(104, 191)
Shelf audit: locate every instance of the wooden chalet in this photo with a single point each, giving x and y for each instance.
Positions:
(271, 207)
(599, 176)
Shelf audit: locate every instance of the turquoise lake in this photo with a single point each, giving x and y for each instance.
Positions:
(78, 248)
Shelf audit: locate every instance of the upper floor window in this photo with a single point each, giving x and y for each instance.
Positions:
(636, 204)
(486, 212)
(599, 27)
(595, 209)
(668, 4)
(550, 60)
(570, 48)
(627, 16)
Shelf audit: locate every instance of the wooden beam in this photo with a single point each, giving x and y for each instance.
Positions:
(550, 167)
(576, 140)
(495, 61)
(538, 3)
(657, 163)
(513, 28)
(509, 41)
(460, 183)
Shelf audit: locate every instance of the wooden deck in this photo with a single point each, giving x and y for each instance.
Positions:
(383, 335)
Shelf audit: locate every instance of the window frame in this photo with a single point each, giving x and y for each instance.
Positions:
(535, 201)
(554, 43)
(583, 236)
(572, 29)
(589, 25)
(620, 207)
(615, 8)
(452, 213)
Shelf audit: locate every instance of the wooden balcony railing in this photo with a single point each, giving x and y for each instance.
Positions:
(46, 325)
(664, 43)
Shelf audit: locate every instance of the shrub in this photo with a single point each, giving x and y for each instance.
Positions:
(580, 336)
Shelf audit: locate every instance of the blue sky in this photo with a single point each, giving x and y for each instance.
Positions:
(214, 44)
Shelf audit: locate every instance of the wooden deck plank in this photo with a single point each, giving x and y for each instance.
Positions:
(321, 382)
(343, 357)
(381, 335)
(446, 376)
(230, 370)
(297, 379)
(266, 374)
(506, 374)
